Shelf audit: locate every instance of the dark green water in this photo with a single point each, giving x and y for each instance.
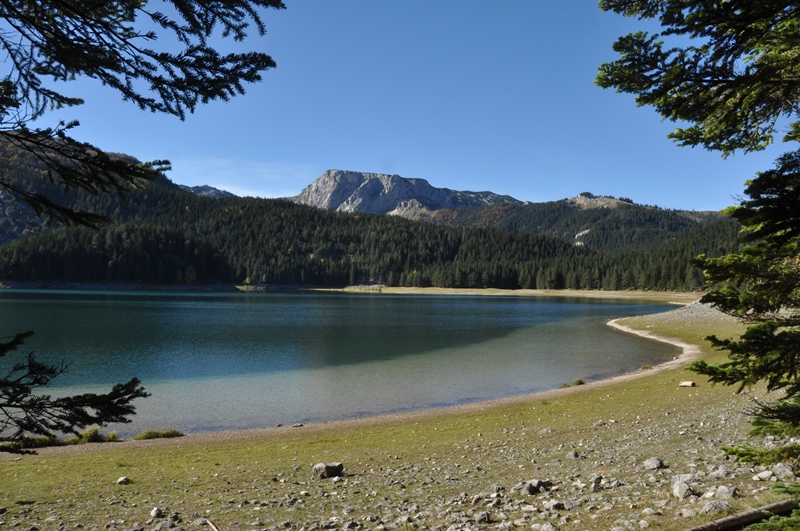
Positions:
(230, 361)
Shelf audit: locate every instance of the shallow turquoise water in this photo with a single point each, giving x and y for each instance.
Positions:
(231, 361)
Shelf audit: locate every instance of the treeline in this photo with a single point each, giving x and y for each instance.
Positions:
(165, 235)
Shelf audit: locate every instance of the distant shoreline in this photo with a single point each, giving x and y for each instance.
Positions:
(662, 296)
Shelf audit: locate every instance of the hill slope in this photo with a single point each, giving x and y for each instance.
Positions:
(604, 224)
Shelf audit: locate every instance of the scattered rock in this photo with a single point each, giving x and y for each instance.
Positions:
(533, 486)
(715, 507)
(327, 470)
(654, 463)
(123, 481)
(689, 479)
(766, 475)
(553, 505)
(572, 455)
(156, 512)
(681, 490)
(783, 471)
(687, 383)
(725, 493)
(483, 517)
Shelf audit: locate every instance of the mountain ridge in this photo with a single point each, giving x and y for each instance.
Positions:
(378, 193)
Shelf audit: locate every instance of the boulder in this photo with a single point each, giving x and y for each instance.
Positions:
(681, 490)
(553, 505)
(725, 493)
(783, 471)
(654, 463)
(689, 479)
(483, 517)
(533, 486)
(715, 507)
(327, 470)
(766, 475)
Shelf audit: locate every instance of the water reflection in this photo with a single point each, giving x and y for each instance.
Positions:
(244, 360)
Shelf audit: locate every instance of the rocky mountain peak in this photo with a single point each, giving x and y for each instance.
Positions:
(377, 193)
(206, 191)
(588, 200)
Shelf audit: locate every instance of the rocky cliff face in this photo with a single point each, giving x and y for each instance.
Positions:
(375, 193)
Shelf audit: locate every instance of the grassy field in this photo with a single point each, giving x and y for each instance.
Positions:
(421, 470)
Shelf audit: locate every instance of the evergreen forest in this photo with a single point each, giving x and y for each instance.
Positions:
(165, 235)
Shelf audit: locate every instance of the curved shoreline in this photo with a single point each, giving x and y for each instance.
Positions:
(689, 353)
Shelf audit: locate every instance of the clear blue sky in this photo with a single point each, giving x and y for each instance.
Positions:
(469, 95)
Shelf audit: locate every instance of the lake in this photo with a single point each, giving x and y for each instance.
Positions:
(235, 361)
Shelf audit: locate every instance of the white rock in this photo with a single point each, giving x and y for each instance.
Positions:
(715, 507)
(654, 463)
(763, 476)
(724, 493)
(783, 471)
(682, 490)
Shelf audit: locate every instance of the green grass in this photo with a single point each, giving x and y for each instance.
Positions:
(92, 435)
(157, 434)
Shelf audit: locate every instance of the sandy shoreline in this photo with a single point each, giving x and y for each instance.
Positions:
(663, 296)
(688, 354)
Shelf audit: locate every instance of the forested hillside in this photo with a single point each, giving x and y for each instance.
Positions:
(622, 228)
(167, 235)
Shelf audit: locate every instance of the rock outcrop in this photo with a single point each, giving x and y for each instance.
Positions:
(206, 191)
(375, 193)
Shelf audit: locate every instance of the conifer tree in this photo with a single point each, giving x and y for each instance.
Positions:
(761, 285)
(46, 43)
(731, 76)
